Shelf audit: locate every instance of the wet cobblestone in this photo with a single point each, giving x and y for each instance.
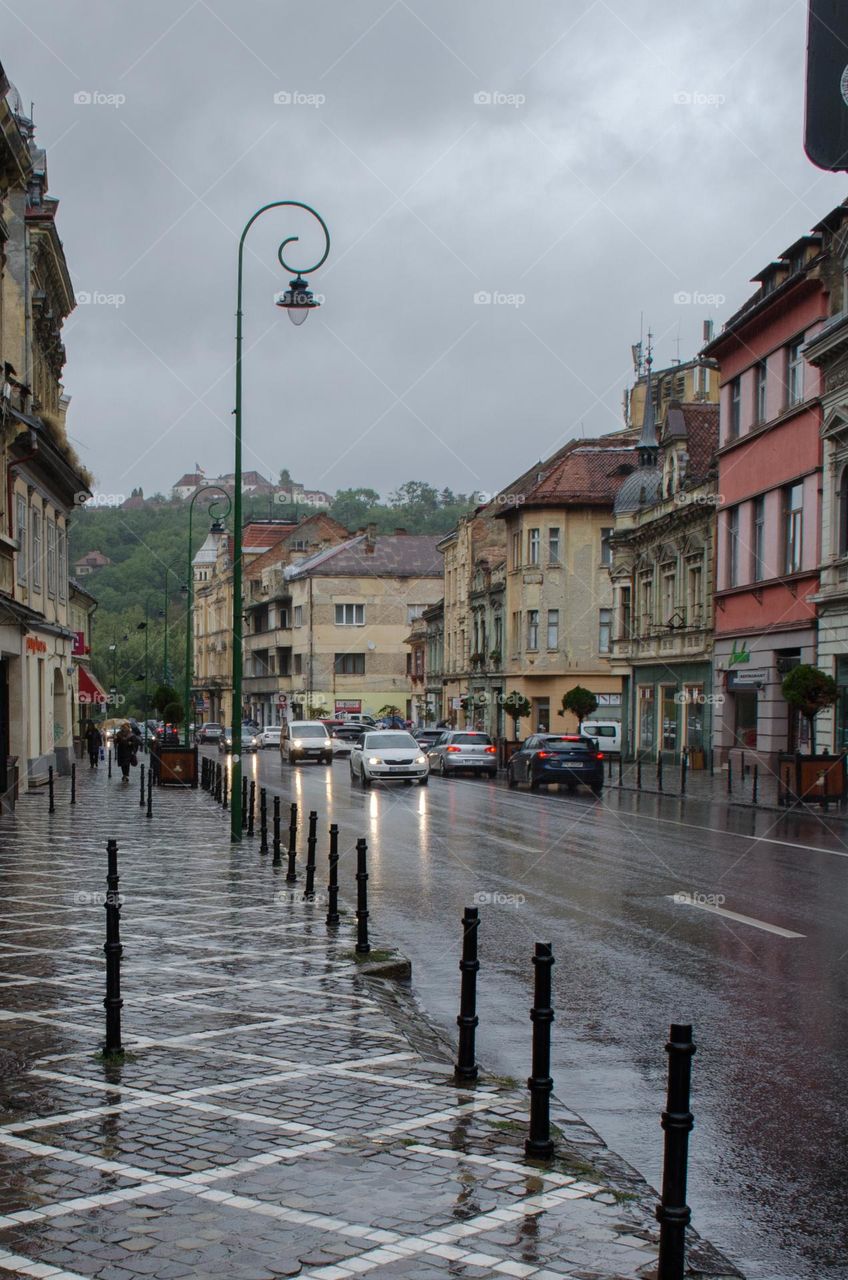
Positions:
(272, 1116)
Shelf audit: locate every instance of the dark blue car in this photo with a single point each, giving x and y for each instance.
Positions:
(566, 758)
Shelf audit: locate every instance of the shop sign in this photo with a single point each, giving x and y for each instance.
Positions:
(752, 678)
(35, 645)
(353, 706)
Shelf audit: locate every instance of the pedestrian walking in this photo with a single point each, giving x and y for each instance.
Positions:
(93, 743)
(127, 744)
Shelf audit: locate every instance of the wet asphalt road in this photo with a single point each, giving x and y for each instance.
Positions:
(598, 879)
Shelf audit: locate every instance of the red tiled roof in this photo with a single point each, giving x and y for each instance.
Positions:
(320, 525)
(590, 473)
(391, 556)
(701, 422)
(261, 537)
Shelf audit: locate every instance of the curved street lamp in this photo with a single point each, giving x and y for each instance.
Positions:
(298, 301)
(221, 495)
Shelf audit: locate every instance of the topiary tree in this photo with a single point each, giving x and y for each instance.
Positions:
(809, 690)
(173, 713)
(580, 702)
(163, 698)
(516, 705)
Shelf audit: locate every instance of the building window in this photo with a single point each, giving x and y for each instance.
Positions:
(63, 563)
(532, 628)
(758, 540)
(668, 592)
(646, 604)
(604, 630)
(842, 545)
(760, 380)
(353, 664)
(734, 423)
(51, 558)
(516, 551)
(22, 539)
(298, 664)
(606, 548)
(733, 547)
(794, 373)
(624, 614)
(36, 549)
(793, 528)
(553, 628)
(533, 545)
(694, 595)
(516, 631)
(414, 611)
(350, 615)
(298, 615)
(554, 547)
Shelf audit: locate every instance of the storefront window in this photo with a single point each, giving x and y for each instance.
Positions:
(669, 717)
(646, 717)
(694, 709)
(841, 737)
(745, 717)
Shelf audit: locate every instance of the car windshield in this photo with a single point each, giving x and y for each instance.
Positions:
(308, 731)
(469, 739)
(384, 741)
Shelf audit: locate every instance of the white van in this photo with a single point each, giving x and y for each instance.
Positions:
(607, 732)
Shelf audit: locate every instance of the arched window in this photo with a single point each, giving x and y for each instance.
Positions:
(843, 513)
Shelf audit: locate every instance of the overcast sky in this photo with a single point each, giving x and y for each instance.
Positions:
(581, 163)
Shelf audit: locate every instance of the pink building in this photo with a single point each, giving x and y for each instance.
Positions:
(769, 491)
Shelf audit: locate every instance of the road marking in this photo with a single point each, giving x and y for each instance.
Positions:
(688, 901)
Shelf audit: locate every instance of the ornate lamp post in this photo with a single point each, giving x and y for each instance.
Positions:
(221, 495)
(298, 301)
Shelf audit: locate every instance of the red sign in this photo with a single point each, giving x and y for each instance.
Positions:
(79, 649)
(34, 645)
(351, 705)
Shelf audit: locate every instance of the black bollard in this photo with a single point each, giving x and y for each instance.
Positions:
(112, 949)
(223, 787)
(659, 771)
(539, 1145)
(755, 784)
(469, 965)
(333, 885)
(638, 773)
(204, 773)
(141, 786)
(311, 842)
(712, 763)
(251, 808)
(362, 944)
(619, 768)
(277, 853)
(150, 792)
(263, 820)
(51, 808)
(729, 775)
(742, 770)
(244, 804)
(684, 767)
(673, 1213)
(609, 768)
(73, 783)
(109, 763)
(291, 873)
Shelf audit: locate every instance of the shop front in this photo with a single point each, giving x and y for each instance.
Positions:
(670, 710)
(753, 715)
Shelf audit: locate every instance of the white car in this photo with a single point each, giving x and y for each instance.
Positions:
(269, 736)
(388, 753)
(306, 740)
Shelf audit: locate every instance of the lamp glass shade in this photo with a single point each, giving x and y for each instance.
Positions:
(297, 315)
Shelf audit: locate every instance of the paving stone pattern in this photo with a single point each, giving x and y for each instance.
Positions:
(270, 1116)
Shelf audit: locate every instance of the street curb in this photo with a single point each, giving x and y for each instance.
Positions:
(798, 811)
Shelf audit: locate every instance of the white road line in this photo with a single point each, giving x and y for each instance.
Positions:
(733, 915)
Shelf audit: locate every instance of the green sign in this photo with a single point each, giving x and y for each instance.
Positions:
(738, 655)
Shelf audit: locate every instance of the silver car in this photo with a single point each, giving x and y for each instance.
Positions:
(459, 750)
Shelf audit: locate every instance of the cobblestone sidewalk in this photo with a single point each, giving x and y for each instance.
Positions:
(276, 1113)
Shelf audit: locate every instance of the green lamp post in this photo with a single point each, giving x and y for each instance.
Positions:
(298, 301)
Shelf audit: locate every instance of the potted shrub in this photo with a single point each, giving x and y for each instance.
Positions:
(581, 702)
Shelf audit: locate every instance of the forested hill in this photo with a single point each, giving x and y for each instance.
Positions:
(145, 541)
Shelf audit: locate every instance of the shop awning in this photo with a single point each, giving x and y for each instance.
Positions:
(90, 690)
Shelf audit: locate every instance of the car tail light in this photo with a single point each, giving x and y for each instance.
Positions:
(490, 751)
(454, 748)
(599, 755)
(543, 755)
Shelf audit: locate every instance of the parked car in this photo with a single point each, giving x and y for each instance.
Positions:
(269, 736)
(607, 734)
(426, 737)
(210, 732)
(355, 717)
(567, 758)
(463, 750)
(344, 736)
(388, 753)
(306, 740)
(249, 740)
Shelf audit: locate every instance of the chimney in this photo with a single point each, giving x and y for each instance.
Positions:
(370, 538)
(708, 331)
(400, 533)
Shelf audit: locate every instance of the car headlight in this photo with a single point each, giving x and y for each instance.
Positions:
(420, 759)
(374, 760)
(297, 742)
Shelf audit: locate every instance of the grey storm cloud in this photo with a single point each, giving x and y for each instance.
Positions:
(508, 189)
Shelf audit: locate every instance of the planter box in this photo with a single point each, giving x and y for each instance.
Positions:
(173, 766)
(810, 779)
